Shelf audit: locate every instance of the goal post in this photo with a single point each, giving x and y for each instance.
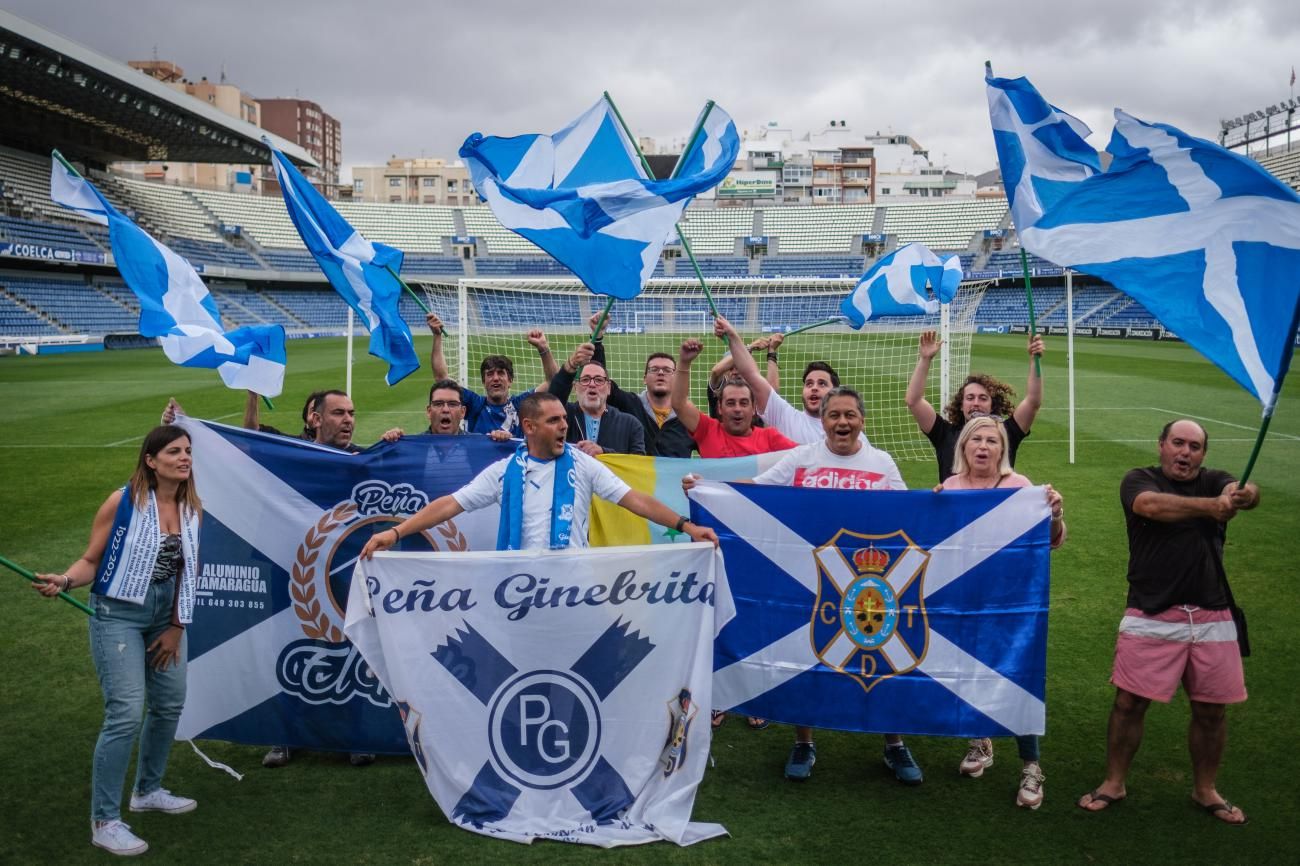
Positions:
(491, 317)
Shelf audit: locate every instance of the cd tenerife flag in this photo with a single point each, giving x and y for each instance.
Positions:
(895, 285)
(895, 611)
(175, 305)
(582, 195)
(364, 274)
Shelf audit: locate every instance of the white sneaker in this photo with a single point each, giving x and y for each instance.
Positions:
(162, 800)
(979, 757)
(1030, 795)
(116, 838)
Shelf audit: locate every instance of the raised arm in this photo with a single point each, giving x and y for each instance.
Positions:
(1027, 410)
(562, 382)
(645, 505)
(687, 412)
(538, 340)
(773, 368)
(251, 419)
(437, 362)
(746, 366)
(440, 510)
(920, 407)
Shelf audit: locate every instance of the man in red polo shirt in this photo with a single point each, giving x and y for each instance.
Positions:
(735, 434)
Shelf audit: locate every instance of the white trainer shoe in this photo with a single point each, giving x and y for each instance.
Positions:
(162, 800)
(1030, 795)
(979, 757)
(116, 838)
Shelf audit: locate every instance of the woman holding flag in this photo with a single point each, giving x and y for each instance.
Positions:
(141, 564)
(981, 462)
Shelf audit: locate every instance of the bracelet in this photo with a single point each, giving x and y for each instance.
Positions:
(771, 356)
(67, 583)
(543, 351)
(397, 536)
(681, 524)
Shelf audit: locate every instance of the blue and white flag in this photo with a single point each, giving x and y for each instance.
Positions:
(175, 305)
(895, 285)
(895, 612)
(1205, 239)
(364, 274)
(283, 522)
(582, 195)
(561, 695)
(1041, 149)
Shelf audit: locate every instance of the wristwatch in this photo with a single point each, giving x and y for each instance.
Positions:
(681, 523)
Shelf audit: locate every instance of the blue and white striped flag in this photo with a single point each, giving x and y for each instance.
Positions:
(364, 274)
(582, 195)
(1205, 239)
(895, 285)
(175, 305)
(888, 611)
(1041, 149)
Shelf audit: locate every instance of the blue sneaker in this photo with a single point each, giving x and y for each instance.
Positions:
(898, 758)
(800, 763)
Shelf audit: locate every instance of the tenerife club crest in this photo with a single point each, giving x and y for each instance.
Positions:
(324, 667)
(869, 621)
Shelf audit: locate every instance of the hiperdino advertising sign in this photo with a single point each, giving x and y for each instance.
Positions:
(742, 186)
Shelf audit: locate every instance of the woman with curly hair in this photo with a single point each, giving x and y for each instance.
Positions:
(979, 395)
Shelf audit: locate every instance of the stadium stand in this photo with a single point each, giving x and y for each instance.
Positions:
(714, 232)
(1285, 166)
(818, 229)
(943, 225)
(71, 304)
(812, 266)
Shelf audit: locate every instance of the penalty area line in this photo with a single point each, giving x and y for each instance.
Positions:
(137, 438)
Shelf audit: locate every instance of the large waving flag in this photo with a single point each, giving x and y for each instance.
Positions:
(1205, 239)
(1041, 149)
(895, 285)
(582, 195)
(175, 305)
(364, 274)
(892, 611)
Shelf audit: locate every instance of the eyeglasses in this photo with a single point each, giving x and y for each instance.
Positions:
(659, 371)
(445, 404)
(593, 380)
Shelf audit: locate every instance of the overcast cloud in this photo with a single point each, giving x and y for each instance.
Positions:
(413, 78)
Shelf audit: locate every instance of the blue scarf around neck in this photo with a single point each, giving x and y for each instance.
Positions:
(510, 530)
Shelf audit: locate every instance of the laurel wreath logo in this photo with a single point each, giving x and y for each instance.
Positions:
(312, 615)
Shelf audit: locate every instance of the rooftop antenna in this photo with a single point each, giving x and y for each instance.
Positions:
(223, 72)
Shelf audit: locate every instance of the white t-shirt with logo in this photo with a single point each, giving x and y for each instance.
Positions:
(795, 423)
(817, 466)
(590, 478)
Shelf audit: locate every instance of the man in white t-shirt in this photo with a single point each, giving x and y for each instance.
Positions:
(540, 525)
(840, 460)
(803, 426)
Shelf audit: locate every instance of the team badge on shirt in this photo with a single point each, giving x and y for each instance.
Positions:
(869, 621)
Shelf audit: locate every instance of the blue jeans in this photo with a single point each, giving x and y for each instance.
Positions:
(1027, 745)
(119, 633)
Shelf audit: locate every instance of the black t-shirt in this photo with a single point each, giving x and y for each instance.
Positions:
(943, 436)
(1179, 562)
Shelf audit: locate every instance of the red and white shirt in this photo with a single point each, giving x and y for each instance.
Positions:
(816, 466)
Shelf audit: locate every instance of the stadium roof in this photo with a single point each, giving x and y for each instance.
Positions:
(56, 93)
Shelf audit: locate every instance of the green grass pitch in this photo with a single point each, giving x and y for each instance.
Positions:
(70, 432)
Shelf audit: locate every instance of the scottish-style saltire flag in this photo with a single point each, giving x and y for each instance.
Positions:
(893, 611)
(365, 274)
(283, 523)
(661, 477)
(1205, 239)
(175, 305)
(896, 284)
(1041, 149)
(559, 695)
(582, 195)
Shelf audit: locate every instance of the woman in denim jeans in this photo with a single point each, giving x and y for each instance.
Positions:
(141, 561)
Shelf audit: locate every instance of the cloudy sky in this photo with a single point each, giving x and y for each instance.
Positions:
(409, 78)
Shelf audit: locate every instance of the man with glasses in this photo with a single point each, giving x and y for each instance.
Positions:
(595, 426)
(446, 412)
(664, 435)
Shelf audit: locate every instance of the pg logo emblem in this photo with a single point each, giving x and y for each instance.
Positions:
(544, 729)
(869, 621)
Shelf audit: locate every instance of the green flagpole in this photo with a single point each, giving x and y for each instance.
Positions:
(10, 564)
(833, 320)
(1270, 406)
(417, 298)
(699, 275)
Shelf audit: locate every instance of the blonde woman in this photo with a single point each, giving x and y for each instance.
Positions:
(981, 462)
(141, 564)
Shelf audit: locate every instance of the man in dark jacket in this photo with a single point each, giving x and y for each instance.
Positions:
(594, 425)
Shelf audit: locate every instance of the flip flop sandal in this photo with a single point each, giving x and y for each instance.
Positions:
(1213, 810)
(1096, 795)
(756, 724)
(716, 720)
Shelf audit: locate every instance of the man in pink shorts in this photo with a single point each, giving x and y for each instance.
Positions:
(1178, 627)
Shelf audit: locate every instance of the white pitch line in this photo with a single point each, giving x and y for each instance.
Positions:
(1217, 421)
(139, 437)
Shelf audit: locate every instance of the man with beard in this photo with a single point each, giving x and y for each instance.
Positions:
(735, 434)
(594, 425)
